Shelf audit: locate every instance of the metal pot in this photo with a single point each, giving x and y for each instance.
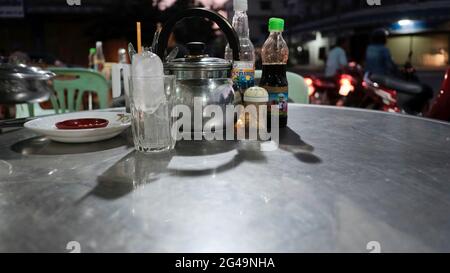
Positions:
(199, 75)
(24, 84)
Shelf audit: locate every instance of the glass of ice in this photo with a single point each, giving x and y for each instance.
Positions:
(151, 103)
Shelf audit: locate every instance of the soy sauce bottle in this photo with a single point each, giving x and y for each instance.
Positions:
(275, 54)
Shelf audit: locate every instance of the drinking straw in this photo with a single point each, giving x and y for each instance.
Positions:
(139, 37)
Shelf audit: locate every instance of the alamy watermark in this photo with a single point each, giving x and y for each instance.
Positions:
(214, 122)
(78, 2)
(372, 246)
(374, 2)
(73, 247)
(73, 2)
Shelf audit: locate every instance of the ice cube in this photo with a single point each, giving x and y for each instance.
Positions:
(149, 93)
(147, 64)
(148, 82)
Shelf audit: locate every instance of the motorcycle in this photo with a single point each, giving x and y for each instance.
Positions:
(440, 108)
(396, 94)
(344, 89)
(402, 93)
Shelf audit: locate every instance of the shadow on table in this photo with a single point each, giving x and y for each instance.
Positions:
(199, 158)
(189, 159)
(134, 170)
(291, 142)
(44, 146)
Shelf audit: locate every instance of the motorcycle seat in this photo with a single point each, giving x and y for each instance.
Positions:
(397, 84)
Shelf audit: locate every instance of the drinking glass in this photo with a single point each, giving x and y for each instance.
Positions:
(151, 103)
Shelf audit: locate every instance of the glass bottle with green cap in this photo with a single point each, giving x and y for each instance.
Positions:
(92, 52)
(275, 54)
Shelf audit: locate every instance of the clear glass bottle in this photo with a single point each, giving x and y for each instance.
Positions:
(244, 70)
(122, 53)
(99, 57)
(275, 55)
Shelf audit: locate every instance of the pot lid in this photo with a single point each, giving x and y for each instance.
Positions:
(197, 59)
(23, 72)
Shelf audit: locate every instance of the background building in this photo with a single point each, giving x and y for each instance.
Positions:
(49, 29)
(418, 26)
(54, 29)
(312, 26)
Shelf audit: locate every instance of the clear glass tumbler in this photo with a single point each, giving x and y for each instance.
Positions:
(151, 103)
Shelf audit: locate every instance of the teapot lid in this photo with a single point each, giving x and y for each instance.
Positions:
(198, 60)
(21, 71)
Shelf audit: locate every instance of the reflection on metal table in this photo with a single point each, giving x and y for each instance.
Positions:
(341, 179)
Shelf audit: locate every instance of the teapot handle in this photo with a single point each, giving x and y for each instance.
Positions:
(224, 25)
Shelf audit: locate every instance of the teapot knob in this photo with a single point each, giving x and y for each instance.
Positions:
(196, 48)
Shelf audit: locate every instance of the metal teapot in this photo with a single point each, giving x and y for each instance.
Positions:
(24, 84)
(199, 75)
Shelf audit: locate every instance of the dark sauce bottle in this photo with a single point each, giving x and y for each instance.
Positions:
(275, 54)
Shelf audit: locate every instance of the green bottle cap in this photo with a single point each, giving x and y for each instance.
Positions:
(92, 51)
(276, 24)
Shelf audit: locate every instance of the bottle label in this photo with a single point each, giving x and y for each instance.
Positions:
(278, 96)
(243, 75)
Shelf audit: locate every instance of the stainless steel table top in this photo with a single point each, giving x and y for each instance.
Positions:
(341, 179)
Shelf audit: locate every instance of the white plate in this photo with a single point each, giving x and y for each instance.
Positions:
(46, 126)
